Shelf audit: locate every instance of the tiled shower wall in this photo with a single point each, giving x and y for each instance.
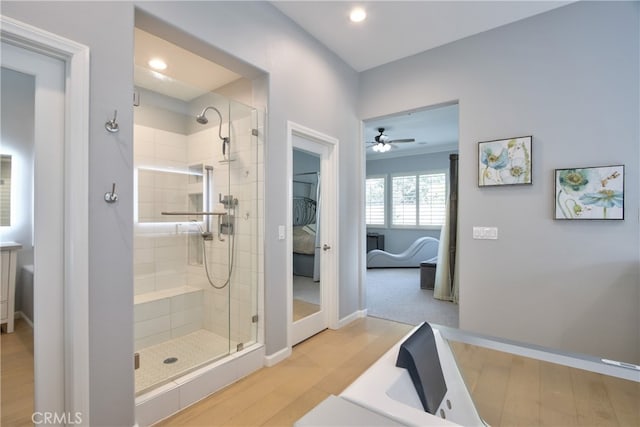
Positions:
(165, 308)
(233, 307)
(173, 297)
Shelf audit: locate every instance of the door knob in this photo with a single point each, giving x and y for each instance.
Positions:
(326, 247)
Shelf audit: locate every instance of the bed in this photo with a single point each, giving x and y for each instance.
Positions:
(304, 237)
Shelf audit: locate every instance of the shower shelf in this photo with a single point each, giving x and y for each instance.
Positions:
(165, 293)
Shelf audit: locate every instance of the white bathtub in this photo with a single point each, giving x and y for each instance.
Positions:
(389, 391)
(26, 293)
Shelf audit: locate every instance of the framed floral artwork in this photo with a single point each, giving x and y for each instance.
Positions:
(504, 162)
(590, 193)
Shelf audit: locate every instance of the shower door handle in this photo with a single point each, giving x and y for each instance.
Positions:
(326, 247)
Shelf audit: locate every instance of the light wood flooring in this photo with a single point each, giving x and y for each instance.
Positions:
(320, 366)
(16, 376)
(508, 390)
(302, 309)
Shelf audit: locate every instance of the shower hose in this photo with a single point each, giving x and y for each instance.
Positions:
(206, 264)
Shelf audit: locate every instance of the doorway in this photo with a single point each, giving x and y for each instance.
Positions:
(312, 233)
(53, 180)
(407, 177)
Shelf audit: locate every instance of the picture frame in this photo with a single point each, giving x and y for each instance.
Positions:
(505, 162)
(587, 193)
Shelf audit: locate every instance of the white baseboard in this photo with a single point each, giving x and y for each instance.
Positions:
(350, 318)
(277, 357)
(21, 315)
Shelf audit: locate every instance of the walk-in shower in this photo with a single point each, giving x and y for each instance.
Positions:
(197, 240)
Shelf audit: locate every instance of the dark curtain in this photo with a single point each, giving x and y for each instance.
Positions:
(453, 215)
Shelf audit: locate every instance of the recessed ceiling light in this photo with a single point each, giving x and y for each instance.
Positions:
(158, 64)
(357, 15)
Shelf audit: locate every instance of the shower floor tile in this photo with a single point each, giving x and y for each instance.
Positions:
(191, 351)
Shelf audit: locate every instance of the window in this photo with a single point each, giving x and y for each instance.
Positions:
(375, 201)
(418, 200)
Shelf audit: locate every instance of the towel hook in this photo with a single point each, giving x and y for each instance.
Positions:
(111, 197)
(111, 125)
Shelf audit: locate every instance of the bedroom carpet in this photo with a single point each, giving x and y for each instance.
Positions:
(395, 294)
(305, 289)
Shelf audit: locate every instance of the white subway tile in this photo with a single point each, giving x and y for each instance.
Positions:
(150, 327)
(170, 280)
(143, 256)
(143, 285)
(170, 152)
(183, 317)
(152, 309)
(185, 329)
(187, 301)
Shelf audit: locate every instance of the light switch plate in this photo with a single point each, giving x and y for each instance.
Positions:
(281, 232)
(485, 233)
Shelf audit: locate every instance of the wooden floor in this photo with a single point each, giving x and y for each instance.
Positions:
(302, 309)
(323, 365)
(508, 390)
(16, 376)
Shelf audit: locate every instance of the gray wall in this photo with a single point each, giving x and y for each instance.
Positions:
(398, 239)
(306, 84)
(107, 28)
(568, 77)
(18, 95)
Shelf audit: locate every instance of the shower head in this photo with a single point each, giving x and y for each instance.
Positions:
(202, 119)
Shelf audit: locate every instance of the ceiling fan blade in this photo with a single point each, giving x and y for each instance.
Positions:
(403, 140)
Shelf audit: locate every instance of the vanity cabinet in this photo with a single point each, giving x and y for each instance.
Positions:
(9, 255)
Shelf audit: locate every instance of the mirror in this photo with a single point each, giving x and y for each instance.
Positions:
(306, 234)
(5, 190)
(168, 191)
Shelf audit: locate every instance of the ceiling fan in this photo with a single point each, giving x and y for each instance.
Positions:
(382, 143)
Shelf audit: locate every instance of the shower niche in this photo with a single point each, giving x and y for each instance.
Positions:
(196, 233)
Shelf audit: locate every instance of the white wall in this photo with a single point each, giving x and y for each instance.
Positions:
(568, 77)
(107, 28)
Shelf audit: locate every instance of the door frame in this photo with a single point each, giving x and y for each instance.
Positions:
(75, 309)
(330, 228)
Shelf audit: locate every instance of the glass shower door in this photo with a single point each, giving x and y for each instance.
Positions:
(195, 223)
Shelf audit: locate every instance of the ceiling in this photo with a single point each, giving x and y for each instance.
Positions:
(187, 75)
(434, 129)
(397, 29)
(393, 30)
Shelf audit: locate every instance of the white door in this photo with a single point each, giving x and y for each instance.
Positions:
(48, 221)
(312, 237)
